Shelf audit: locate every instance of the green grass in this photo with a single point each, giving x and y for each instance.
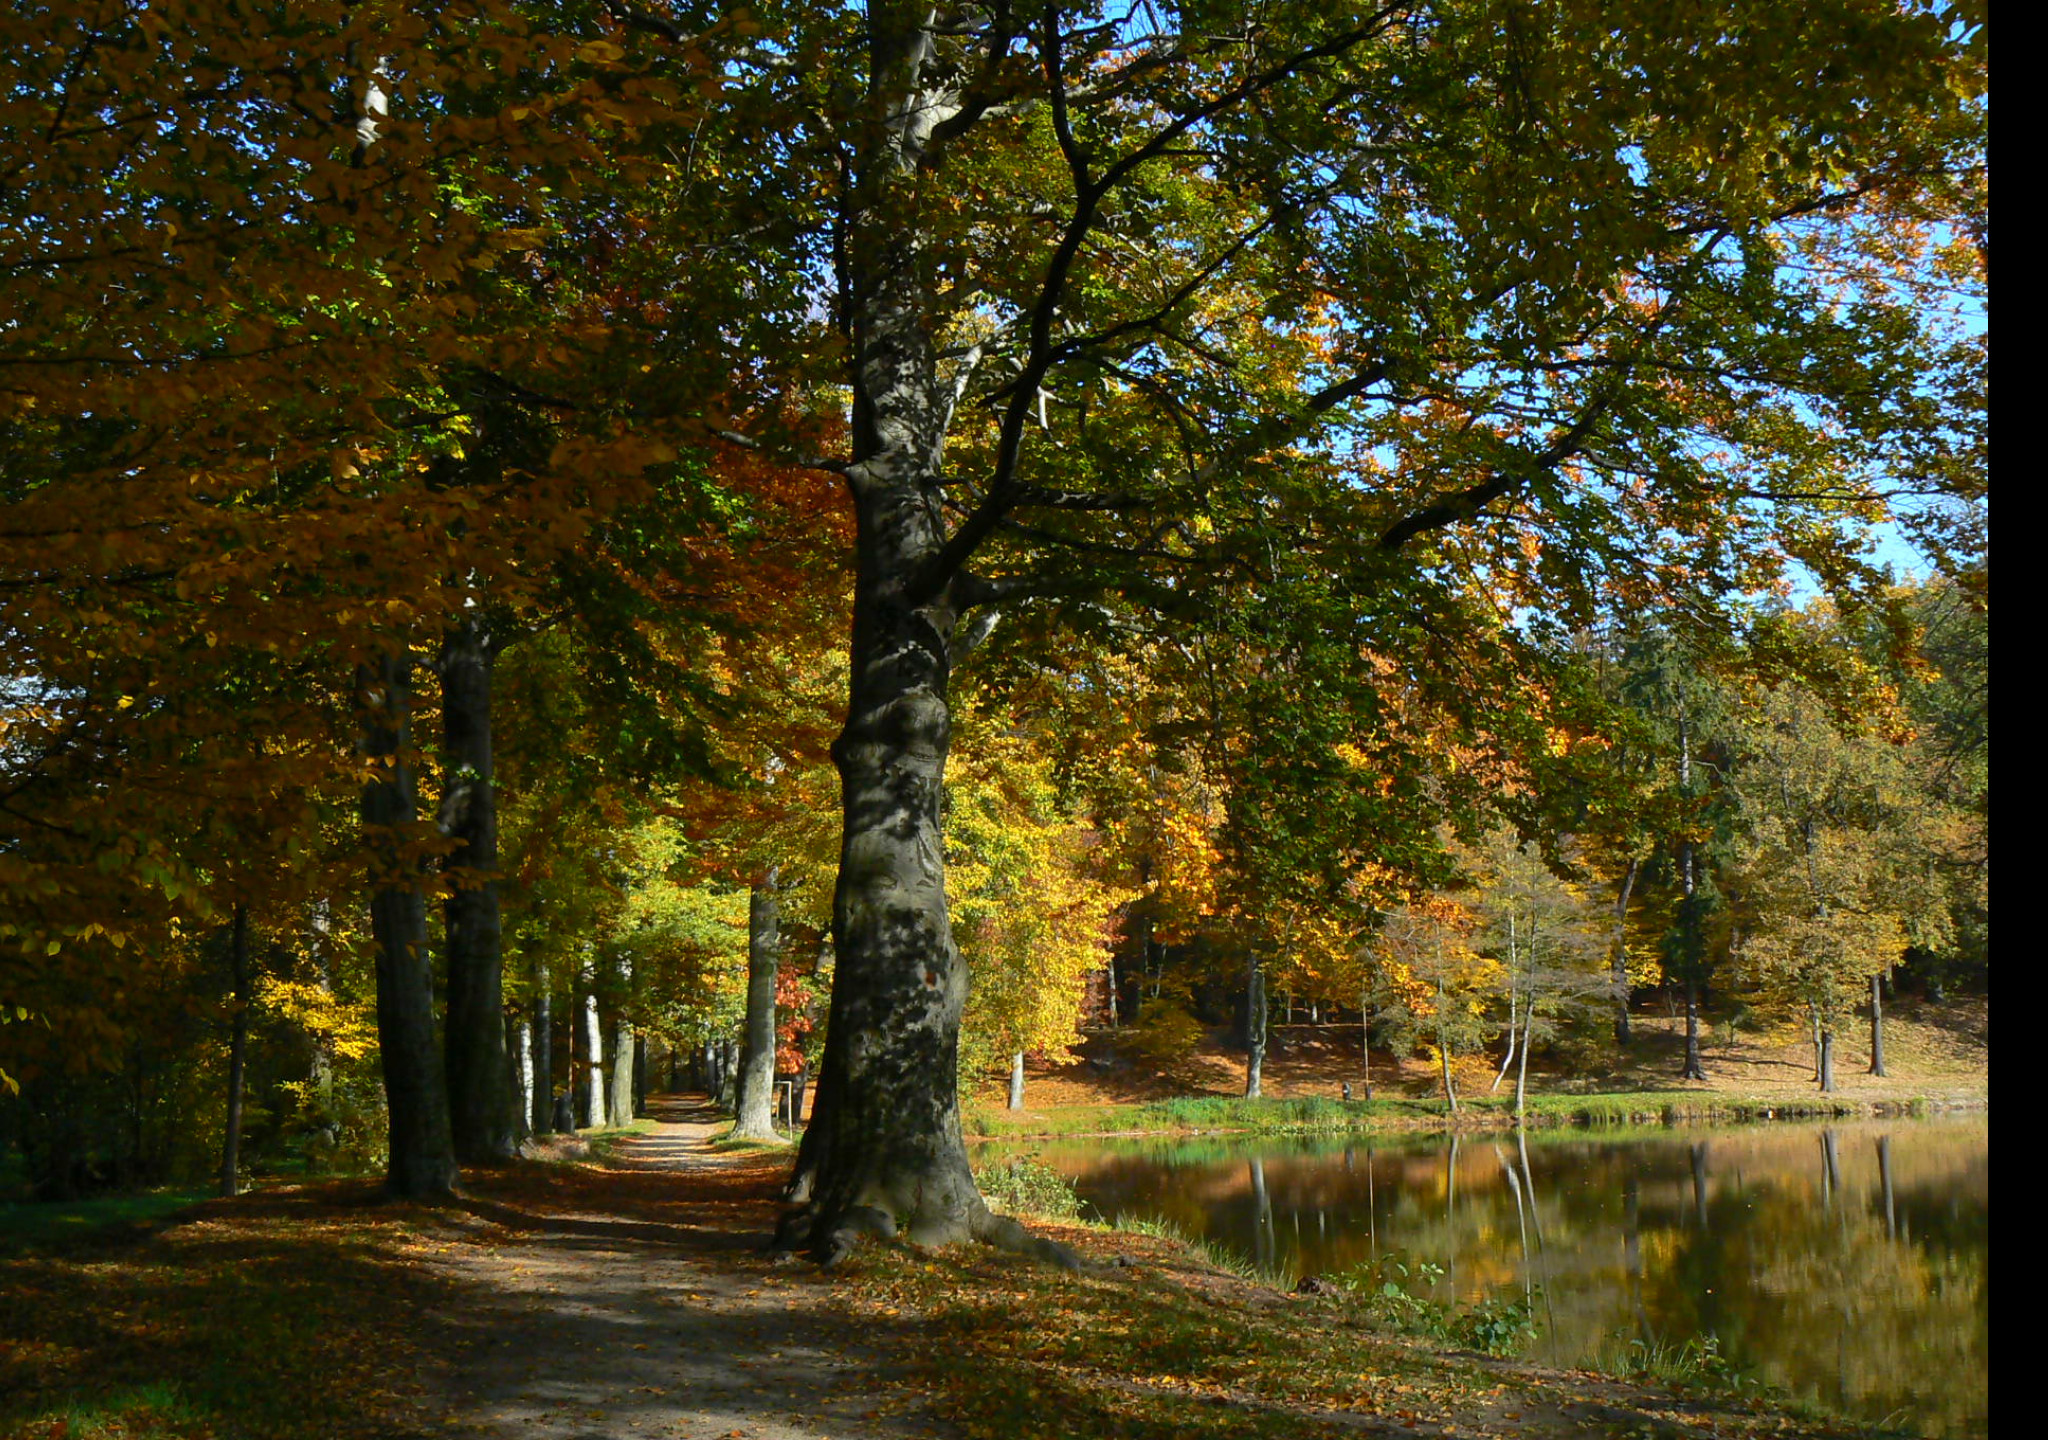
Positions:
(1215, 1255)
(50, 1222)
(1316, 1115)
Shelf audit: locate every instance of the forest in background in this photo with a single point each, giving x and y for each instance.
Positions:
(437, 554)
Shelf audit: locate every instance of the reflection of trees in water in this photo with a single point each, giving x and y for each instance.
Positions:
(1839, 1261)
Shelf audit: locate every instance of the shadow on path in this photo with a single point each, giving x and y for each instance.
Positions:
(635, 1299)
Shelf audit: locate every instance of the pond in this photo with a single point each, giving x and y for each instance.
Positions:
(1844, 1263)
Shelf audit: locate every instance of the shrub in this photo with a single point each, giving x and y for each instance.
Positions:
(1025, 1187)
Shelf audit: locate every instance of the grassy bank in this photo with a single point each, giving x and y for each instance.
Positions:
(1162, 1343)
(1205, 1114)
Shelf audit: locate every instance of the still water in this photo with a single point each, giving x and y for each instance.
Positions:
(1845, 1262)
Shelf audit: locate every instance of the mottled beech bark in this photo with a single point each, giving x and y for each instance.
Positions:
(754, 1117)
(238, 1051)
(622, 1064)
(480, 1098)
(622, 1054)
(1017, 1081)
(422, 1147)
(1877, 1024)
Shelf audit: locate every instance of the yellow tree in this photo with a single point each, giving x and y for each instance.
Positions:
(1034, 914)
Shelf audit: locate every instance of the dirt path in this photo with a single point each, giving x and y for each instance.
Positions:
(602, 1324)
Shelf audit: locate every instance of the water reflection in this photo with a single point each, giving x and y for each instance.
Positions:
(1843, 1262)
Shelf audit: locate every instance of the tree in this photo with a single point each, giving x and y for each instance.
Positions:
(1839, 841)
(1033, 912)
(1534, 259)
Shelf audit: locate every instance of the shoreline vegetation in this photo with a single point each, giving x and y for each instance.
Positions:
(1224, 1116)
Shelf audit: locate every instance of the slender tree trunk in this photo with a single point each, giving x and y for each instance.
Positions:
(1508, 1058)
(543, 1052)
(238, 1051)
(1365, 1041)
(593, 1055)
(422, 1147)
(1695, 943)
(1522, 1068)
(479, 1072)
(756, 1109)
(1694, 1068)
(522, 1057)
(1827, 1060)
(1017, 1081)
(1443, 1042)
(1255, 1026)
(1619, 962)
(321, 1072)
(1877, 1025)
(1112, 992)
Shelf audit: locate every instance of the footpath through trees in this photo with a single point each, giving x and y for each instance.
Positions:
(629, 1294)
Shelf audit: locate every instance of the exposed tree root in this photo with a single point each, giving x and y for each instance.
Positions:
(798, 1229)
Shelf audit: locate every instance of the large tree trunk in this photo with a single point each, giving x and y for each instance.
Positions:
(755, 1117)
(422, 1147)
(479, 1072)
(1877, 1024)
(1254, 1026)
(884, 1148)
(1827, 1059)
(238, 1051)
(885, 1126)
(1017, 1081)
